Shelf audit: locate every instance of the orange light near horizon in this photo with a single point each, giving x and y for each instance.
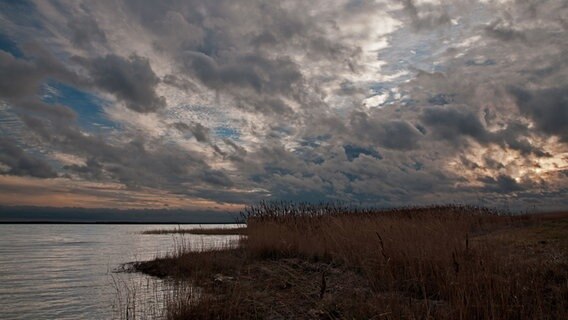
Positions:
(511, 163)
(62, 192)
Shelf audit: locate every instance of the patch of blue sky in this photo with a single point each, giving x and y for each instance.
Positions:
(384, 88)
(410, 49)
(227, 133)
(10, 46)
(89, 107)
(390, 93)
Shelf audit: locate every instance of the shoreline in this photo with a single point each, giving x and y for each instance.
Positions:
(200, 231)
(117, 222)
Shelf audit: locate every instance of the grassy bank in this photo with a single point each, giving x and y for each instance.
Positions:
(330, 262)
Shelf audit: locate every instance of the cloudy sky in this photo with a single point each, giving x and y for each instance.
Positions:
(214, 104)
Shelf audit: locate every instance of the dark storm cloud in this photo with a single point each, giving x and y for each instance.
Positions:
(216, 178)
(234, 152)
(136, 162)
(426, 16)
(501, 184)
(132, 80)
(22, 77)
(235, 147)
(399, 134)
(268, 105)
(516, 136)
(178, 82)
(19, 77)
(92, 169)
(343, 172)
(21, 163)
(263, 75)
(548, 108)
(440, 99)
(86, 31)
(502, 30)
(200, 132)
(353, 152)
(54, 112)
(391, 134)
(258, 84)
(452, 123)
(245, 54)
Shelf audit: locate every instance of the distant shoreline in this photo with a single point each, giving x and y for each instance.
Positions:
(39, 215)
(111, 222)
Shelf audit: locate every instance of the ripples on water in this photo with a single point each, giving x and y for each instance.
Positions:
(65, 271)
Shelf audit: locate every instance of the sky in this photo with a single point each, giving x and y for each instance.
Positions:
(213, 105)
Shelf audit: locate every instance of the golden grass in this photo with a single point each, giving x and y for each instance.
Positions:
(330, 262)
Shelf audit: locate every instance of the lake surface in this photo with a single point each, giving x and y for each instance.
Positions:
(65, 271)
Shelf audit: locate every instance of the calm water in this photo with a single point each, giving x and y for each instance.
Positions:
(65, 271)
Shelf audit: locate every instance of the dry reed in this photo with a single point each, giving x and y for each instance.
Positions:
(340, 262)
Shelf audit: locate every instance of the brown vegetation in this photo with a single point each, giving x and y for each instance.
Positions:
(331, 262)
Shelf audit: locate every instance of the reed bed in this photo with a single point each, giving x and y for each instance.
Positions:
(331, 261)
